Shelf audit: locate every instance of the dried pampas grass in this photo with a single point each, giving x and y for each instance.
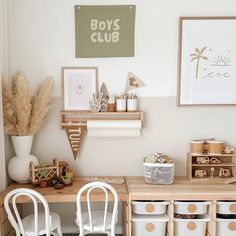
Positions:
(21, 103)
(22, 114)
(41, 105)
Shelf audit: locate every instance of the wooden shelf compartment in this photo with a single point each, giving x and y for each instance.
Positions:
(81, 117)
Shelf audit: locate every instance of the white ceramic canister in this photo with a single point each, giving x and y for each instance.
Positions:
(132, 104)
(120, 104)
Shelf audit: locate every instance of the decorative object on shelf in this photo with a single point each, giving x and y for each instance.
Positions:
(104, 105)
(104, 91)
(23, 117)
(214, 160)
(196, 147)
(133, 82)
(207, 66)
(104, 31)
(111, 104)
(200, 173)
(225, 173)
(228, 150)
(132, 103)
(207, 146)
(74, 134)
(203, 160)
(95, 104)
(121, 104)
(215, 147)
(212, 172)
(105, 97)
(78, 85)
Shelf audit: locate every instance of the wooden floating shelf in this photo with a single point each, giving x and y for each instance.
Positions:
(75, 123)
(81, 118)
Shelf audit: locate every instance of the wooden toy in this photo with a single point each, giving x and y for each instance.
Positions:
(44, 173)
(228, 150)
(224, 173)
(203, 160)
(214, 160)
(200, 173)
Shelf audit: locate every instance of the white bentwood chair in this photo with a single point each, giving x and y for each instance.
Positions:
(97, 221)
(39, 223)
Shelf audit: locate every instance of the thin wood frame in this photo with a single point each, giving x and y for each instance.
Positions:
(181, 19)
(77, 68)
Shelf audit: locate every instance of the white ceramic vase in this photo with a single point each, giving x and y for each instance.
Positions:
(18, 166)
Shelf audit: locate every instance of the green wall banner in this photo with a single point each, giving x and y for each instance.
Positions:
(104, 31)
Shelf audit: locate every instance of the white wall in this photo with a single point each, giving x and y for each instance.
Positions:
(42, 40)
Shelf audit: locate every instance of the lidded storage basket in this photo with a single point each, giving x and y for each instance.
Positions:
(159, 169)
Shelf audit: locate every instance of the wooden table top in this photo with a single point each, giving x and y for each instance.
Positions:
(67, 194)
(182, 189)
(136, 188)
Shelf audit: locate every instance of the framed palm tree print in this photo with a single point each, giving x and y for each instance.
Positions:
(207, 61)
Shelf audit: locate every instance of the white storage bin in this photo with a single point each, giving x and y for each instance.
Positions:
(225, 227)
(226, 207)
(149, 208)
(149, 225)
(191, 227)
(194, 207)
(158, 173)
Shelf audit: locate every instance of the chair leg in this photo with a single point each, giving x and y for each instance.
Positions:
(59, 231)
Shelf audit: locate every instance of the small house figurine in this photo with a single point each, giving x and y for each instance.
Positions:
(200, 173)
(224, 173)
(228, 150)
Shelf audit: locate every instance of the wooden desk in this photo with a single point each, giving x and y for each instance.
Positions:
(182, 189)
(67, 194)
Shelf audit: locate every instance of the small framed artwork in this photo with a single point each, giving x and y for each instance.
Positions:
(207, 61)
(78, 86)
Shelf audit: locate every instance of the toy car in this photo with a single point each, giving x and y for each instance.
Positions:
(228, 150)
(200, 173)
(203, 160)
(214, 160)
(224, 173)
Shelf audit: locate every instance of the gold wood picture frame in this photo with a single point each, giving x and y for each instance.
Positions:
(207, 61)
(78, 86)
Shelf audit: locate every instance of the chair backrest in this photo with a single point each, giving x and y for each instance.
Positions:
(15, 218)
(106, 189)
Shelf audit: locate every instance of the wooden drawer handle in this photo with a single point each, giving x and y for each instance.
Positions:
(232, 208)
(192, 208)
(150, 227)
(191, 226)
(149, 208)
(232, 226)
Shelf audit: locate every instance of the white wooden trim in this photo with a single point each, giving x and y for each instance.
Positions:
(3, 72)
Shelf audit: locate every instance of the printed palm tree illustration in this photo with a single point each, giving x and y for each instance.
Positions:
(198, 56)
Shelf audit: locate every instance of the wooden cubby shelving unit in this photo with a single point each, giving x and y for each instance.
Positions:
(228, 162)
